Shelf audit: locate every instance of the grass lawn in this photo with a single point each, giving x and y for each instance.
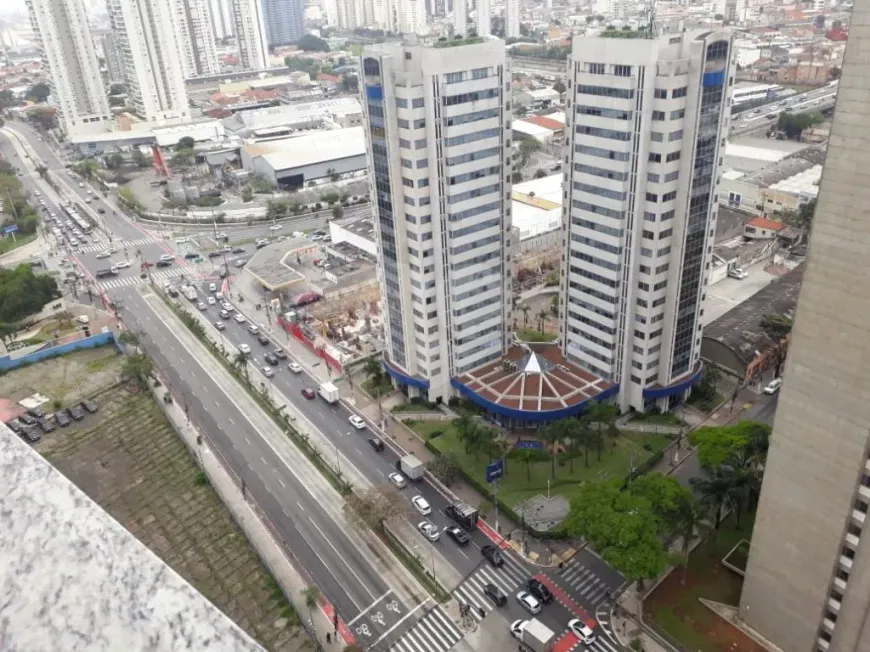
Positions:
(416, 405)
(522, 481)
(426, 428)
(666, 419)
(8, 244)
(676, 608)
(373, 390)
(705, 405)
(530, 335)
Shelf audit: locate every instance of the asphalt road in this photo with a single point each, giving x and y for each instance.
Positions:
(817, 99)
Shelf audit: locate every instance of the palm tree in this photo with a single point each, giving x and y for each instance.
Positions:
(526, 310)
(311, 595)
(527, 455)
(688, 523)
(552, 434)
(374, 370)
(715, 492)
(240, 362)
(543, 317)
(501, 447)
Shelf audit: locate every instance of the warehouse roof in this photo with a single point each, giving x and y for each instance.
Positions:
(310, 148)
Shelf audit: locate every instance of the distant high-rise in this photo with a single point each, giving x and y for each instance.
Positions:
(250, 33)
(460, 17)
(512, 18)
(195, 29)
(68, 54)
(152, 55)
(645, 134)
(398, 16)
(807, 584)
(284, 21)
(438, 126)
(221, 18)
(112, 54)
(484, 18)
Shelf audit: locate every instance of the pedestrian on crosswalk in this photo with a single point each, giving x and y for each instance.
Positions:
(328, 637)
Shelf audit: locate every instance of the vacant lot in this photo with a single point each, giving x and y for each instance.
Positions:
(129, 460)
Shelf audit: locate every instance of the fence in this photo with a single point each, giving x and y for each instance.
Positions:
(52, 350)
(319, 351)
(425, 415)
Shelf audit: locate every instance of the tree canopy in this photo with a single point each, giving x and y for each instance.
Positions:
(39, 92)
(621, 526)
(716, 445)
(7, 99)
(776, 326)
(311, 43)
(185, 143)
(794, 123)
(23, 293)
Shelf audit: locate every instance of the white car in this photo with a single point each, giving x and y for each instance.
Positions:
(773, 386)
(276, 227)
(357, 422)
(212, 287)
(226, 305)
(268, 372)
(738, 273)
(166, 258)
(182, 240)
(201, 305)
(122, 264)
(220, 236)
(252, 328)
(295, 367)
(220, 325)
(421, 505)
(239, 317)
(428, 530)
(530, 602)
(244, 348)
(210, 301)
(298, 234)
(398, 480)
(103, 254)
(582, 631)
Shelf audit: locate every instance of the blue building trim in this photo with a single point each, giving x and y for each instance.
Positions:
(677, 388)
(715, 78)
(374, 92)
(405, 379)
(529, 415)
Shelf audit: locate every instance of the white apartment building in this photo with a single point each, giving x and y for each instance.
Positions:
(197, 38)
(398, 16)
(151, 54)
(511, 18)
(62, 30)
(438, 134)
(250, 34)
(222, 18)
(647, 124)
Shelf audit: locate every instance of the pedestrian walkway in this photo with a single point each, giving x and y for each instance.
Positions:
(508, 578)
(96, 248)
(435, 632)
(585, 583)
(127, 281)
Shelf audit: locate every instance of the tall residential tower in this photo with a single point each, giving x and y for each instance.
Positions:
(196, 36)
(250, 34)
(645, 132)
(438, 129)
(807, 584)
(283, 20)
(61, 27)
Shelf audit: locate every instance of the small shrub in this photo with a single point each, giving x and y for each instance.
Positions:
(435, 433)
(200, 479)
(648, 447)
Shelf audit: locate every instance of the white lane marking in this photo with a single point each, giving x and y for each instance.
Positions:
(401, 620)
(281, 482)
(231, 420)
(247, 441)
(298, 504)
(341, 557)
(325, 565)
(363, 612)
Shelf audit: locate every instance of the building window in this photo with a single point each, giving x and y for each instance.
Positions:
(480, 73)
(622, 71)
(596, 68)
(679, 92)
(661, 94)
(417, 102)
(658, 115)
(401, 103)
(454, 77)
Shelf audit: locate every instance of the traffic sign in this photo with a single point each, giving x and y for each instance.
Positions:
(495, 470)
(12, 228)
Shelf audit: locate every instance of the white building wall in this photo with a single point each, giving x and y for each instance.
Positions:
(460, 17)
(250, 34)
(197, 38)
(437, 133)
(484, 18)
(512, 18)
(150, 48)
(637, 248)
(221, 17)
(62, 30)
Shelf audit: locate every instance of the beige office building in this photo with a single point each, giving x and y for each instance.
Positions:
(807, 584)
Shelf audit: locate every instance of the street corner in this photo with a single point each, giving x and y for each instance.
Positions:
(337, 623)
(566, 600)
(492, 535)
(566, 643)
(378, 620)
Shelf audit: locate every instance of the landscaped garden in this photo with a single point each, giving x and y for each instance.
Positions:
(528, 469)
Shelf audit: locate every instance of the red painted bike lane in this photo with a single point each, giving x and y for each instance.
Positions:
(566, 601)
(329, 612)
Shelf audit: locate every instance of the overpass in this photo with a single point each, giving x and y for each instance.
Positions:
(765, 116)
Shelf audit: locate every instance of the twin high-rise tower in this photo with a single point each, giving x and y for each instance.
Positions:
(646, 123)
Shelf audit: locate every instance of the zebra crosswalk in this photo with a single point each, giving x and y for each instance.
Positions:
(584, 583)
(508, 578)
(118, 244)
(435, 632)
(126, 281)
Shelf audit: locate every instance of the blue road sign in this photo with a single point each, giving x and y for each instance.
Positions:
(536, 445)
(495, 470)
(12, 228)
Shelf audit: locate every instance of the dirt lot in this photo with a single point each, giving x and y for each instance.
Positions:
(129, 460)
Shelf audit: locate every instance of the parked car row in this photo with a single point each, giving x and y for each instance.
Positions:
(25, 425)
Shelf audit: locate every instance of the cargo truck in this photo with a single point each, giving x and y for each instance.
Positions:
(411, 467)
(189, 292)
(329, 392)
(534, 635)
(464, 514)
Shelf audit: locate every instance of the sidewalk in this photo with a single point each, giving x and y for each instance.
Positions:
(626, 628)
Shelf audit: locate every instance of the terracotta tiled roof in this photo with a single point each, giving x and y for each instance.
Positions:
(545, 122)
(764, 223)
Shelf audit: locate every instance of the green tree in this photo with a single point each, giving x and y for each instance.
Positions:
(128, 337)
(554, 434)
(41, 170)
(138, 366)
(114, 161)
(528, 146)
(526, 310)
(715, 491)
(620, 526)
(337, 212)
(8, 99)
(559, 87)
(445, 467)
(540, 174)
(140, 160)
(792, 124)
(23, 293)
(184, 143)
(182, 158)
(543, 317)
(311, 595)
(374, 370)
(666, 497)
(707, 387)
(717, 444)
(776, 326)
(240, 362)
(688, 523)
(247, 194)
(39, 92)
(117, 89)
(311, 43)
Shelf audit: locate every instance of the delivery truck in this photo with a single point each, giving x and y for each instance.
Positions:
(534, 635)
(329, 392)
(411, 466)
(464, 514)
(189, 292)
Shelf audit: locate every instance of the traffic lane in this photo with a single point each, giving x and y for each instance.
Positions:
(333, 422)
(360, 581)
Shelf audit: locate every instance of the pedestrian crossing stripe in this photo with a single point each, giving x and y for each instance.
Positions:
(96, 248)
(507, 578)
(127, 281)
(569, 642)
(584, 582)
(435, 632)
